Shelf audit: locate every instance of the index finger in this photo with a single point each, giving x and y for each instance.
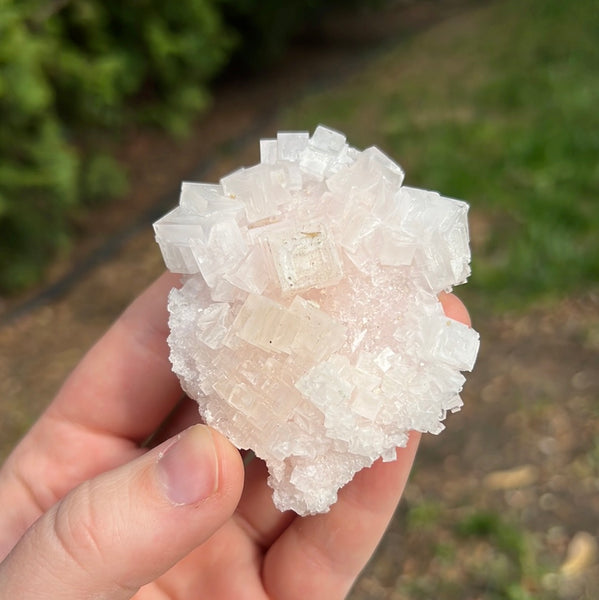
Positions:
(117, 396)
(124, 386)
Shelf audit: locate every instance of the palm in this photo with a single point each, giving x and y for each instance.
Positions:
(119, 395)
(226, 566)
(261, 553)
(230, 563)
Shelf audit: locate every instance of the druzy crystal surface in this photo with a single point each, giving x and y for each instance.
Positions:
(308, 327)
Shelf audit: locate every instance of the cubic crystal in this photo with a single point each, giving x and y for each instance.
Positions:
(308, 326)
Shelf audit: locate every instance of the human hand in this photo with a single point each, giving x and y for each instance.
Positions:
(89, 511)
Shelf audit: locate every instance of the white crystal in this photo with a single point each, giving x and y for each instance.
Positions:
(324, 148)
(308, 326)
(224, 249)
(268, 151)
(266, 324)
(320, 335)
(290, 144)
(258, 188)
(212, 326)
(305, 258)
(177, 234)
(250, 276)
(451, 343)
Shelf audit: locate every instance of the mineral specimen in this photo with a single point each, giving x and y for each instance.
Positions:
(308, 327)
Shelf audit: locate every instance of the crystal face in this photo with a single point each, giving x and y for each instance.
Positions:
(308, 327)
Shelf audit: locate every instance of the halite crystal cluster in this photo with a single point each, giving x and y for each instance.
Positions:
(308, 327)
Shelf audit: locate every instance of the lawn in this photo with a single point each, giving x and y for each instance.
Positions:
(497, 107)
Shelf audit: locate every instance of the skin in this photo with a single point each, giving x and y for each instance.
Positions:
(86, 512)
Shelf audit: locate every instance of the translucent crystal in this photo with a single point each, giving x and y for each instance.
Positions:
(177, 234)
(268, 151)
(258, 188)
(290, 144)
(308, 326)
(224, 249)
(305, 258)
(451, 342)
(266, 324)
(324, 147)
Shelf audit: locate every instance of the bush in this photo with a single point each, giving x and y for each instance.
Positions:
(69, 68)
(77, 70)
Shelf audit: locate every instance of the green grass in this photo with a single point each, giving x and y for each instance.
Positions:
(425, 515)
(511, 568)
(498, 107)
(481, 553)
(507, 538)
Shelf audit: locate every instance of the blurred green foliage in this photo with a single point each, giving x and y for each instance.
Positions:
(71, 68)
(512, 567)
(470, 548)
(76, 71)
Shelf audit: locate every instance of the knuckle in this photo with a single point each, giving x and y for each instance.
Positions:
(86, 532)
(77, 528)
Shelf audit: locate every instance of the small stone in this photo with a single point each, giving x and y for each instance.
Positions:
(581, 554)
(518, 477)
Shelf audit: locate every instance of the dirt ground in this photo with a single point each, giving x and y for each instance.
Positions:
(525, 448)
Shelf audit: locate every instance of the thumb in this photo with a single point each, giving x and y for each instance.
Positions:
(123, 529)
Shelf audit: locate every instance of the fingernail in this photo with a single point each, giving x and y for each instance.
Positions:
(188, 470)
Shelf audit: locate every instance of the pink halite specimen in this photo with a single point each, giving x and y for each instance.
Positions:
(308, 326)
